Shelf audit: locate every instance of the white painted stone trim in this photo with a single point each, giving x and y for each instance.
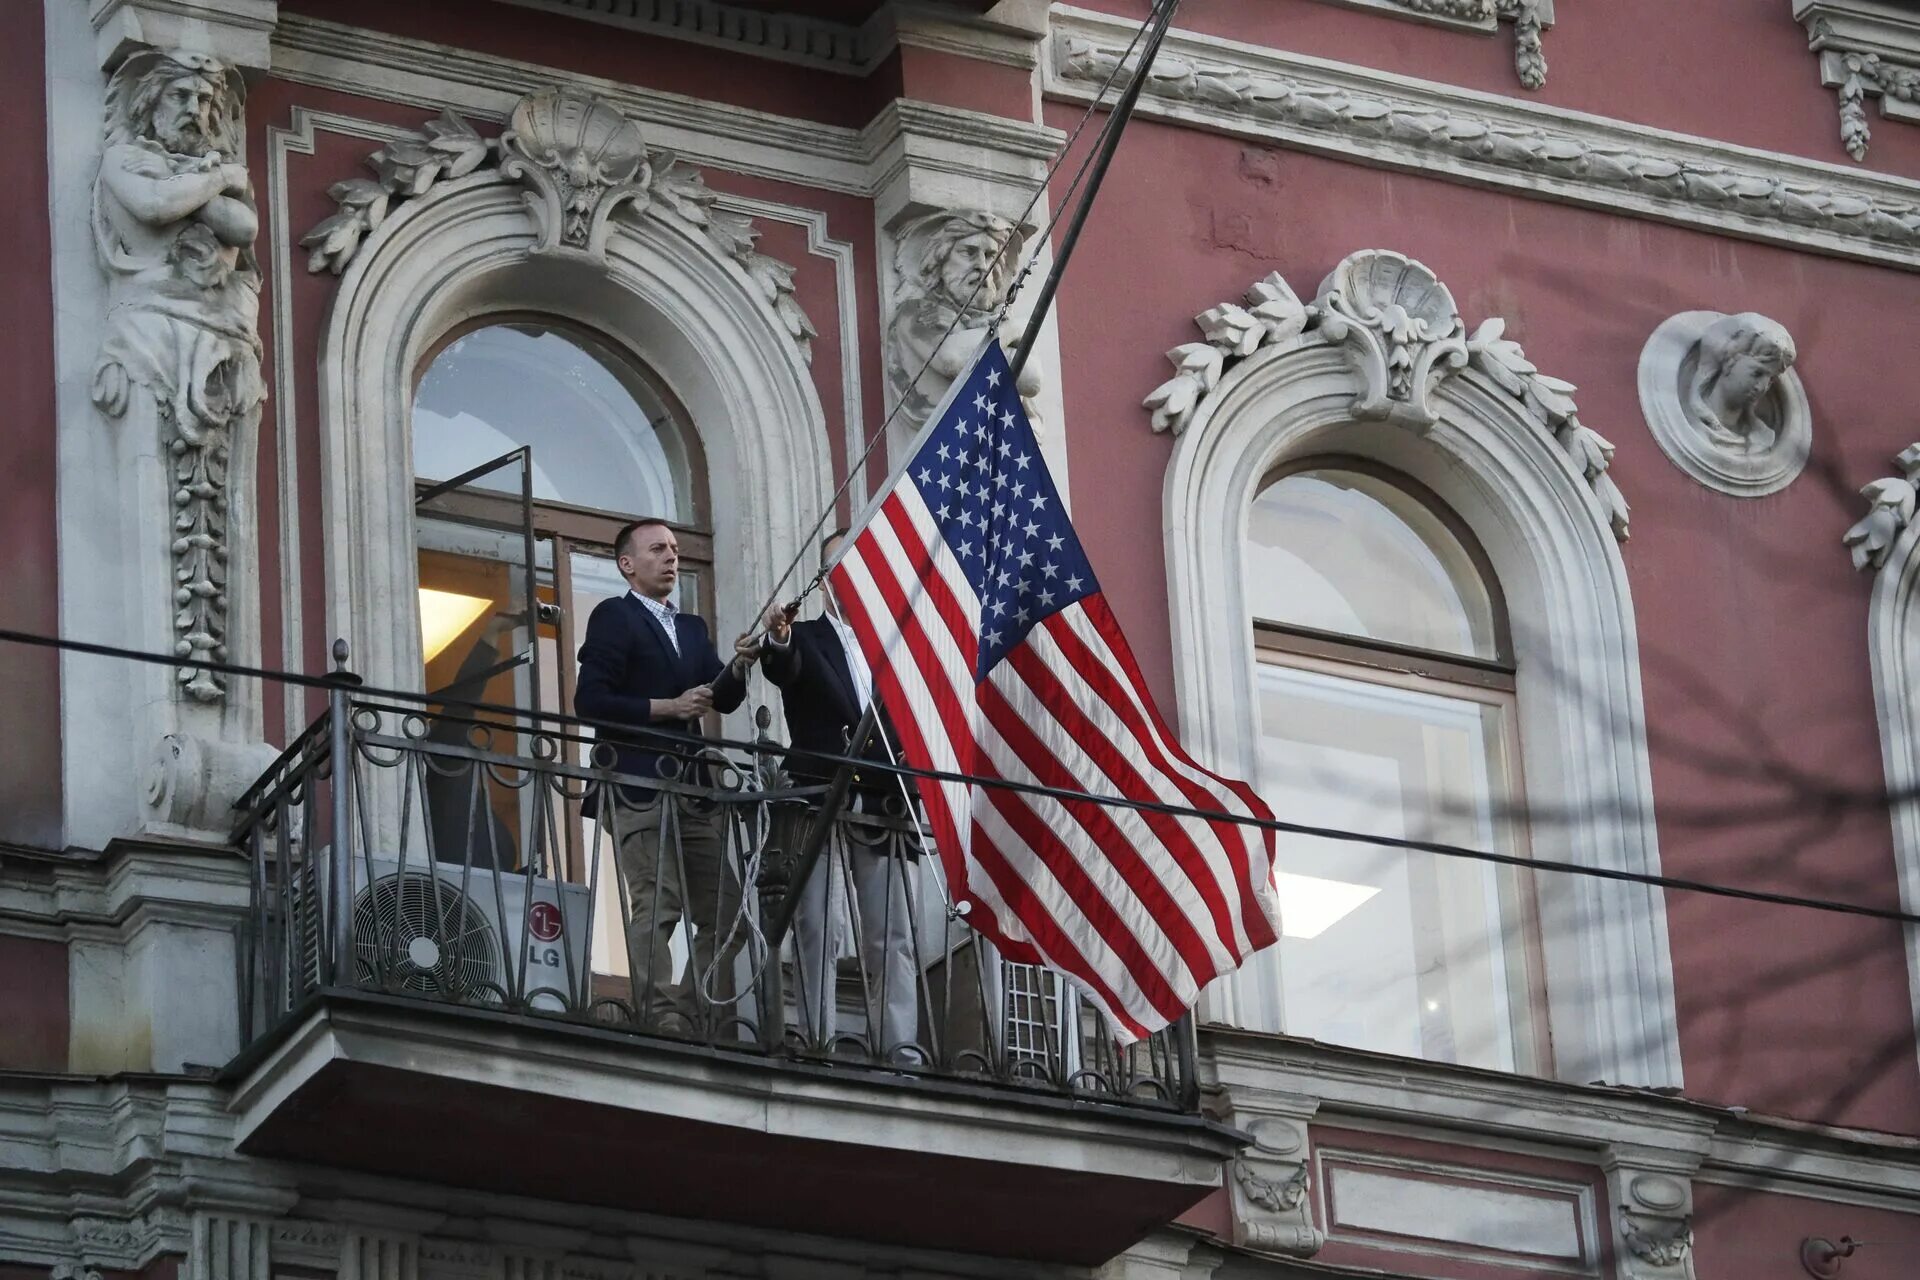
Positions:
(782, 37)
(846, 291)
(1887, 542)
(817, 43)
(1529, 18)
(1585, 759)
(1867, 48)
(666, 293)
(436, 77)
(1480, 139)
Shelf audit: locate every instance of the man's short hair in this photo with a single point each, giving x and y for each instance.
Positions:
(627, 530)
(827, 541)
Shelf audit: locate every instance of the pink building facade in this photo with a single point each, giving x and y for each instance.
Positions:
(1490, 420)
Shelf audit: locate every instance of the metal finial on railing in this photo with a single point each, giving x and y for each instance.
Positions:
(340, 674)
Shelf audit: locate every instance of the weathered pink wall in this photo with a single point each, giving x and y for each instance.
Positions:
(1736, 70)
(1738, 1233)
(34, 1015)
(29, 678)
(1751, 618)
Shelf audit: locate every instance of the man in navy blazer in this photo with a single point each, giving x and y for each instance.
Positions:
(647, 665)
(825, 685)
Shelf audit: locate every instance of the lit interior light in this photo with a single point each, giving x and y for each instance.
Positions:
(444, 615)
(1309, 905)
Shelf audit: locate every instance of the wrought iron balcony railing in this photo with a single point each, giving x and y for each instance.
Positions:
(476, 861)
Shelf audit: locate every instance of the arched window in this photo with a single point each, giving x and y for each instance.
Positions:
(606, 443)
(1385, 689)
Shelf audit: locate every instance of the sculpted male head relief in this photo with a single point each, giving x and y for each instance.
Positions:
(182, 102)
(956, 259)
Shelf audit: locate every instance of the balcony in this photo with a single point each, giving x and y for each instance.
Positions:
(438, 985)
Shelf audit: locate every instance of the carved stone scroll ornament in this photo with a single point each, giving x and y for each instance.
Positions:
(1867, 49)
(1527, 17)
(1398, 322)
(1722, 400)
(174, 221)
(581, 160)
(1267, 1191)
(1890, 509)
(952, 270)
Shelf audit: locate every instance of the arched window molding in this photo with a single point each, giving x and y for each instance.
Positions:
(474, 246)
(1887, 543)
(1506, 469)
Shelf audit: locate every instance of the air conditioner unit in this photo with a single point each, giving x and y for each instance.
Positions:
(444, 931)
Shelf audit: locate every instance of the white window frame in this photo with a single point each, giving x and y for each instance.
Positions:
(467, 250)
(1584, 756)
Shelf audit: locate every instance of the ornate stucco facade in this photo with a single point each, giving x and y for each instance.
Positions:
(1637, 324)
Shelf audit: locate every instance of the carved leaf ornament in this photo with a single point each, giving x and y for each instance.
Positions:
(1399, 325)
(1523, 149)
(1891, 504)
(580, 159)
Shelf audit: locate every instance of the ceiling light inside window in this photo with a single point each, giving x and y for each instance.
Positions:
(1309, 905)
(444, 615)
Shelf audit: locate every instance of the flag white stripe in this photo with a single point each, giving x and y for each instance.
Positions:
(957, 796)
(1106, 878)
(1253, 840)
(1112, 971)
(1069, 750)
(1031, 869)
(1087, 772)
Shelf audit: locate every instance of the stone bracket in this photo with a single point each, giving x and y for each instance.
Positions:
(1529, 19)
(1867, 48)
(1652, 1191)
(239, 32)
(1269, 1186)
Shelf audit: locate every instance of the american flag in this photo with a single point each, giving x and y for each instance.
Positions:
(996, 656)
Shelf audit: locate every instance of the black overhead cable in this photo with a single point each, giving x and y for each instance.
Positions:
(1439, 848)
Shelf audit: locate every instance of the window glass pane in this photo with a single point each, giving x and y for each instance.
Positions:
(1347, 552)
(601, 437)
(1381, 948)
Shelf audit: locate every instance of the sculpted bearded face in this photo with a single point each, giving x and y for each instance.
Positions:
(182, 117)
(964, 269)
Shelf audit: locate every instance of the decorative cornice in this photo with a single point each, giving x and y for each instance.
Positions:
(479, 86)
(817, 43)
(1867, 48)
(1406, 338)
(784, 37)
(581, 159)
(1529, 18)
(1485, 140)
(1890, 509)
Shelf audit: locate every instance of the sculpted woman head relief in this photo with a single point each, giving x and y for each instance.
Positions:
(1741, 357)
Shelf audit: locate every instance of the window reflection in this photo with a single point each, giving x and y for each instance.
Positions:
(1382, 948)
(601, 436)
(1349, 552)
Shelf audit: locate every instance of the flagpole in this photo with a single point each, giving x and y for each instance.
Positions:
(836, 796)
(1109, 143)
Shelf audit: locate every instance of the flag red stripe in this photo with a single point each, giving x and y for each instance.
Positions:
(1253, 915)
(1110, 842)
(1013, 888)
(1093, 740)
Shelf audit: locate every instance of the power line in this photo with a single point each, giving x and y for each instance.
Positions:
(1439, 848)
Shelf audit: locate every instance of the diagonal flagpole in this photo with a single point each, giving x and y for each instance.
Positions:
(836, 796)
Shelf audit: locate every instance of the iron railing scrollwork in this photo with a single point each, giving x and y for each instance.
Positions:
(473, 861)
